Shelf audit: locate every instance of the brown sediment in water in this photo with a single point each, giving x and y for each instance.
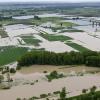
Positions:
(50, 68)
(73, 84)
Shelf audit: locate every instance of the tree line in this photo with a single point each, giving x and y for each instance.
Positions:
(89, 58)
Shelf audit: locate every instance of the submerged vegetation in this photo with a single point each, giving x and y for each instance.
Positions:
(28, 50)
(87, 94)
(54, 75)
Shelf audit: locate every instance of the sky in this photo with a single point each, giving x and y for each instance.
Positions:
(49, 0)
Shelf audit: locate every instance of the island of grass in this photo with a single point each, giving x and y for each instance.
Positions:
(54, 75)
(78, 47)
(31, 40)
(52, 37)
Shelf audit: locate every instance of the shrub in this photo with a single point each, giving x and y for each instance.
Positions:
(1, 78)
(18, 99)
(18, 67)
(44, 71)
(33, 98)
(32, 83)
(56, 92)
(43, 95)
(63, 94)
(12, 70)
(54, 75)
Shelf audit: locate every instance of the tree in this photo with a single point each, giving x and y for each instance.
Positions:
(1, 78)
(8, 77)
(63, 94)
(93, 89)
(84, 91)
(37, 17)
(0, 25)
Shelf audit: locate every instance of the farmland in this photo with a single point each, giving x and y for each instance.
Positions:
(55, 37)
(48, 33)
(49, 51)
(29, 40)
(10, 54)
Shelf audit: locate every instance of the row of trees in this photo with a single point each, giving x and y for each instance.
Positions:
(89, 58)
(5, 17)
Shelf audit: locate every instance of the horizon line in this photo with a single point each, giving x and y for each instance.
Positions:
(48, 2)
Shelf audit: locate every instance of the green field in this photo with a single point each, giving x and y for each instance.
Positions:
(30, 40)
(45, 19)
(66, 24)
(72, 30)
(51, 37)
(77, 47)
(10, 54)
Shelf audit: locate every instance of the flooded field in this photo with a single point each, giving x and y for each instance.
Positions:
(46, 47)
(22, 81)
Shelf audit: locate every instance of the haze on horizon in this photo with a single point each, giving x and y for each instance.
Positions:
(71, 1)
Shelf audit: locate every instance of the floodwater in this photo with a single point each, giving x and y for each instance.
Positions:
(84, 24)
(73, 84)
(43, 15)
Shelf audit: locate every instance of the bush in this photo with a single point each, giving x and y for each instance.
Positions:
(54, 75)
(12, 70)
(18, 67)
(31, 83)
(18, 99)
(44, 71)
(43, 95)
(33, 98)
(1, 78)
(56, 92)
(5, 87)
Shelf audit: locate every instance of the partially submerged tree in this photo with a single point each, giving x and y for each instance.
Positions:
(37, 17)
(1, 78)
(63, 94)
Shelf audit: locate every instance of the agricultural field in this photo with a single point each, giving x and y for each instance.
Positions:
(53, 37)
(71, 30)
(77, 46)
(49, 33)
(67, 24)
(49, 51)
(30, 40)
(10, 54)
